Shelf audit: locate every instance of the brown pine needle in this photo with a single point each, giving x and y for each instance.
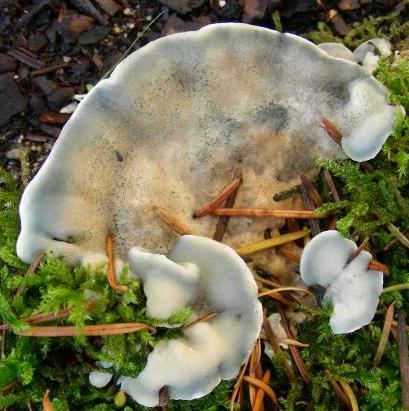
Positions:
(291, 341)
(223, 221)
(177, 225)
(203, 318)
(399, 235)
(312, 191)
(358, 250)
(266, 213)
(377, 266)
(290, 255)
(47, 406)
(271, 242)
(331, 130)
(404, 360)
(260, 393)
(253, 365)
(219, 199)
(111, 276)
(331, 185)
(350, 394)
(294, 350)
(383, 341)
(337, 389)
(265, 387)
(88, 330)
(30, 271)
(289, 288)
(273, 340)
(237, 385)
(8, 387)
(278, 297)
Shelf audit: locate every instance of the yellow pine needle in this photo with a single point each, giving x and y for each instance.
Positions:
(396, 287)
(385, 335)
(272, 242)
(350, 394)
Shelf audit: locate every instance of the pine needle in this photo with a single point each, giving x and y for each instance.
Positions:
(331, 130)
(111, 275)
(404, 360)
(266, 213)
(260, 393)
(265, 387)
(289, 288)
(203, 318)
(47, 406)
(351, 396)
(385, 334)
(177, 225)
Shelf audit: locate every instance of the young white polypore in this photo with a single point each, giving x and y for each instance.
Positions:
(173, 122)
(352, 288)
(368, 53)
(210, 351)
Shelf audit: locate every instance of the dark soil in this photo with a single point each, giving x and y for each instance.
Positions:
(52, 50)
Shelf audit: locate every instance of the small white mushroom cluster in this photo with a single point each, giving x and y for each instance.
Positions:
(367, 54)
(352, 288)
(211, 278)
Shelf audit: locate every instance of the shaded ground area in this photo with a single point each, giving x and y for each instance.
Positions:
(52, 50)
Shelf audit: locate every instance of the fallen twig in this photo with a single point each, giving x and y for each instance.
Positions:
(49, 69)
(358, 250)
(404, 360)
(383, 341)
(26, 59)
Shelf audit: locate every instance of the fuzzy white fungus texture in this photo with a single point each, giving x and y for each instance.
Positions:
(352, 288)
(172, 123)
(210, 277)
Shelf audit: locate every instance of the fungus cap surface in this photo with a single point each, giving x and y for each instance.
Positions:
(212, 350)
(352, 288)
(174, 120)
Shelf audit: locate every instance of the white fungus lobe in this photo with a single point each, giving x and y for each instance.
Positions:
(214, 279)
(99, 379)
(352, 288)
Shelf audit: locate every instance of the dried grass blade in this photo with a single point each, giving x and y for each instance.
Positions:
(404, 360)
(47, 406)
(203, 318)
(219, 199)
(266, 213)
(272, 242)
(265, 387)
(277, 349)
(351, 396)
(88, 330)
(337, 389)
(383, 341)
(289, 288)
(221, 226)
(111, 276)
(260, 393)
(172, 221)
(331, 130)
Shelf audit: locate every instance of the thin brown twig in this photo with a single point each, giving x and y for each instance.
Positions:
(222, 222)
(111, 275)
(404, 360)
(49, 69)
(266, 213)
(219, 199)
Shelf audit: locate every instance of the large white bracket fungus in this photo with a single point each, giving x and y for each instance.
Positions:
(212, 278)
(352, 288)
(174, 120)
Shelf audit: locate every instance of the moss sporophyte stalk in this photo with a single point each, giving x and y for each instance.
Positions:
(374, 203)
